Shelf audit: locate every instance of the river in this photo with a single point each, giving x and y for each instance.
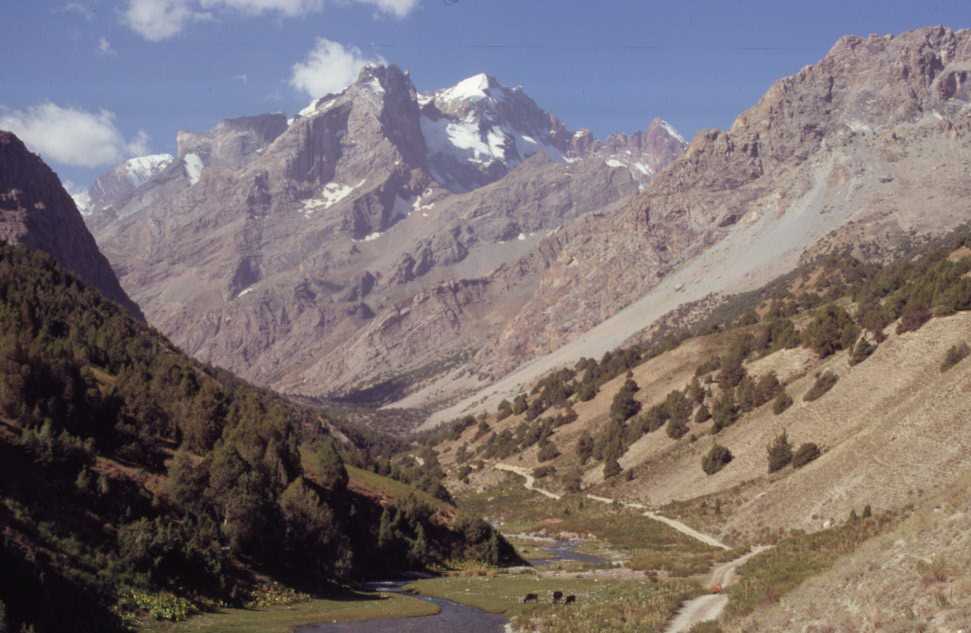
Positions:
(453, 617)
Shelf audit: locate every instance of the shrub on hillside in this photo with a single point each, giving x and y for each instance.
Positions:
(745, 394)
(955, 355)
(874, 317)
(547, 452)
(731, 372)
(535, 409)
(726, 412)
(482, 430)
(572, 481)
(695, 393)
(824, 382)
(587, 391)
(914, 315)
(861, 351)
(780, 453)
(782, 402)
(611, 467)
(766, 388)
(624, 405)
(716, 459)
(584, 447)
(519, 404)
(544, 471)
(804, 454)
(504, 411)
(702, 415)
(678, 406)
(831, 330)
(677, 428)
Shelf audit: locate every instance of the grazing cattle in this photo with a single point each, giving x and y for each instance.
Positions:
(570, 599)
(530, 597)
(557, 596)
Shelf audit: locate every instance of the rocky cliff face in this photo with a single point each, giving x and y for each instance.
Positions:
(371, 242)
(36, 211)
(871, 144)
(118, 185)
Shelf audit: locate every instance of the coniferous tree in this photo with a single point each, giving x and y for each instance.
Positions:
(782, 402)
(611, 467)
(716, 459)
(779, 452)
(584, 447)
(804, 454)
(702, 415)
(624, 405)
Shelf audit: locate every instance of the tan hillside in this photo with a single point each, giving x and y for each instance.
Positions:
(914, 578)
(892, 430)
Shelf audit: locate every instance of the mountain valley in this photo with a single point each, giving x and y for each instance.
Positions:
(432, 360)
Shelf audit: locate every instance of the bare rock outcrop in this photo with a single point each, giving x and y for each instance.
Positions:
(37, 212)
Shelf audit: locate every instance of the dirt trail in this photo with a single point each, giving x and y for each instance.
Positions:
(704, 608)
(530, 484)
(709, 607)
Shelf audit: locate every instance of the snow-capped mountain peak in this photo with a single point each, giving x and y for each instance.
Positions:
(142, 168)
(120, 182)
(670, 129)
(474, 88)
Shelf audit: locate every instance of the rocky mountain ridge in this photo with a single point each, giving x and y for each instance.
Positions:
(36, 211)
(867, 146)
(369, 241)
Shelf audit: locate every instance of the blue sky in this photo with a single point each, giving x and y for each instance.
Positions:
(140, 70)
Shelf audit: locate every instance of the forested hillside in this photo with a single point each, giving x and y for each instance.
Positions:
(137, 482)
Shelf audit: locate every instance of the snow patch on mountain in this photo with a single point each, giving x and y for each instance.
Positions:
(141, 169)
(193, 167)
(330, 194)
(474, 88)
(463, 140)
(82, 200)
(672, 131)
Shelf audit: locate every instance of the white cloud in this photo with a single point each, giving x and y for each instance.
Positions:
(329, 68)
(158, 20)
(71, 136)
(397, 8)
(255, 7)
(140, 144)
(104, 46)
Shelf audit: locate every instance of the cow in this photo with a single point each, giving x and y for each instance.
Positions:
(570, 599)
(557, 596)
(530, 597)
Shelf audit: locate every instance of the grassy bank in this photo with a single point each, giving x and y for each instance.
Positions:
(283, 619)
(607, 606)
(770, 575)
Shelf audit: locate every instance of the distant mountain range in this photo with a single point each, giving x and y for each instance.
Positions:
(410, 249)
(366, 244)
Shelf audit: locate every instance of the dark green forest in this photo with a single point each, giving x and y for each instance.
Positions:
(129, 472)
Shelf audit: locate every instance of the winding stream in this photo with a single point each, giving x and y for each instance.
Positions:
(453, 618)
(566, 551)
